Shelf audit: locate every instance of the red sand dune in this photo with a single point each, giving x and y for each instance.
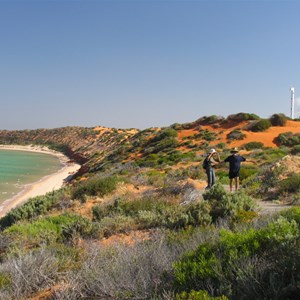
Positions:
(267, 137)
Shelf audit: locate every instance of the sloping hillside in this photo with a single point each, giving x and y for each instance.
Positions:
(137, 223)
(98, 147)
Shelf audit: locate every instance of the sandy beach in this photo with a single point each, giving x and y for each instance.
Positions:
(47, 184)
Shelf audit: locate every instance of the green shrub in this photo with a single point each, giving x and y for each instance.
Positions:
(96, 187)
(149, 212)
(288, 139)
(208, 120)
(235, 135)
(116, 224)
(278, 120)
(222, 176)
(206, 135)
(247, 171)
(52, 229)
(295, 150)
(33, 207)
(198, 295)
(271, 154)
(227, 204)
(5, 280)
(268, 178)
(290, 184)
(253, 145)
(144, 204)
(100, 211)
(196, 214)
(163, 145)
(163, 134)
(243, 216)
(215, 193)
(78, 227)
(243, 117)
(292, 214)
(260, 125)
(221, 146)
(244, 263)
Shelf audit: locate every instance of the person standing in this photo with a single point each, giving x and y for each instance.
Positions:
(234, 167)
(211, 159)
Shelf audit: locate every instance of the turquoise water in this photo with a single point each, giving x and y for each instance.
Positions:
(18, 168)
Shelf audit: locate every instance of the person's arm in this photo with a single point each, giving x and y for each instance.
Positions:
(252, 161)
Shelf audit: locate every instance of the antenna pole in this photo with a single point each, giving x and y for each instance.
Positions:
(292, 103)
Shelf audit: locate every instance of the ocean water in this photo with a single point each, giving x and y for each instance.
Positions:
(19, 168)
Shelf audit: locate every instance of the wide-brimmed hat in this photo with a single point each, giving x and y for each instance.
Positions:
(211, 151)
(235, 150)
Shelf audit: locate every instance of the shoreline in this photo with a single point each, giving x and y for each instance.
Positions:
(43, 186)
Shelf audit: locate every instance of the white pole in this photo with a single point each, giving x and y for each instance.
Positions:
(292, 103)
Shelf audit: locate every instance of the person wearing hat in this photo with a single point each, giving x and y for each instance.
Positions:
(211, 160)
(234, 167)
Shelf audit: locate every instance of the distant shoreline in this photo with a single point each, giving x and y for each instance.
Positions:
(46, 184)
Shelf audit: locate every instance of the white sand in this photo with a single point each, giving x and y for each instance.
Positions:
(46, 184)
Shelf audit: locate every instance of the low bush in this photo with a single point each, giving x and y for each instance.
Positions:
(215, 193)
(260, 125)
(290, 184)
(96, 186)
(243, 264)
(271, 154)
(26, 274)
(116, 224)
(267, 179)
(198, 295)
(243, 117)
(227, 204)
(278, 119)
(196, 214)
(34, 207)
(150, 212)
(253, 145)
(288, 139)
(222, 146)
(163, 134)
(295, 150)
(235, 135)
(222, 176)
(208, 120)
(52, 229)
(247, 171)
(243, 216)
(206, 135)
(292, 214)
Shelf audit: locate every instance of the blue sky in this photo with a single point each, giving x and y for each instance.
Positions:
(144, 63)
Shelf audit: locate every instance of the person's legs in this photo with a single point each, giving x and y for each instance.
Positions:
(213, 177)
(210, 177)
(231, 184)
(237, 183)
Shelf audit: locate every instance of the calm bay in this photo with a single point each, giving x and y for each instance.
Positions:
(20, 168)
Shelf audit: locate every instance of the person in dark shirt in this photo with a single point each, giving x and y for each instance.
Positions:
(234, 167)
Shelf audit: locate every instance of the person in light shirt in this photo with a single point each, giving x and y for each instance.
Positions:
(213, 159)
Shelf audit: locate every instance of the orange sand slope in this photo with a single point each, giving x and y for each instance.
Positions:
(267, 137)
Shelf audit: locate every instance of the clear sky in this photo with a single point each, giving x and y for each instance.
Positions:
(144, 63)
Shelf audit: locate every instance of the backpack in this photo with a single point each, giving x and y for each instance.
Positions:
(205, 163)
